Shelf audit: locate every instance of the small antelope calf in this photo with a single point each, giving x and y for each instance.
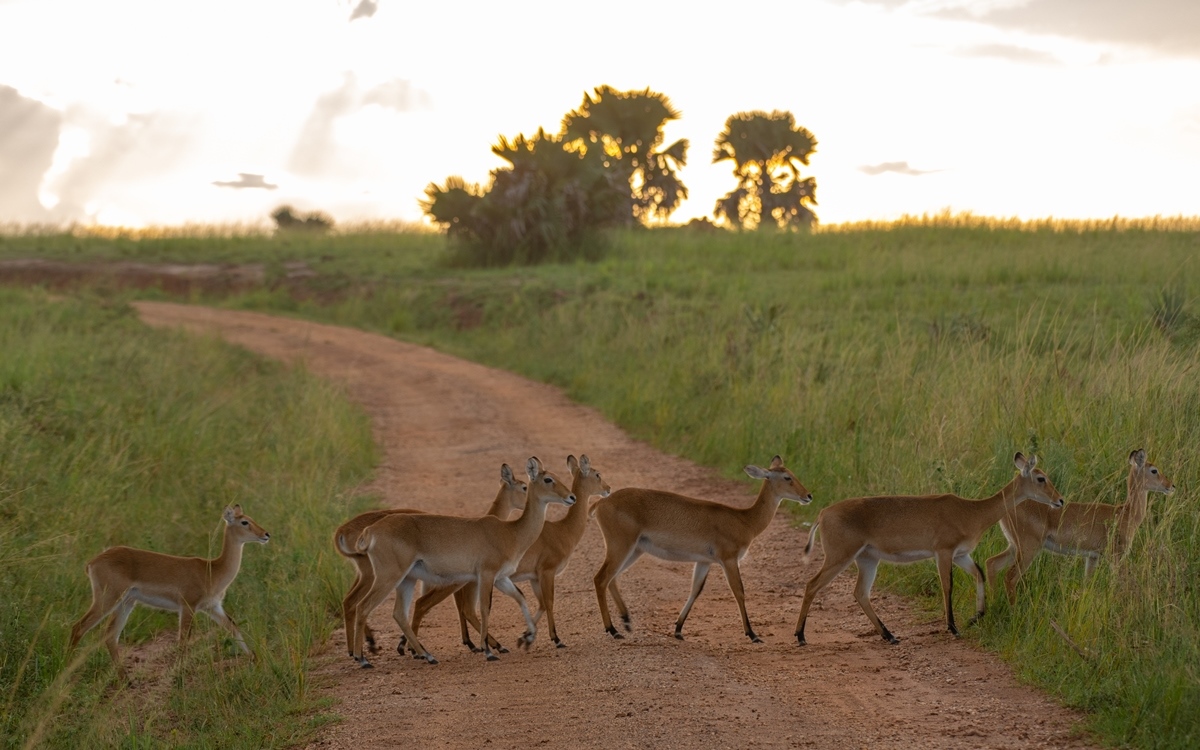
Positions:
(446, 550)
(510, 497)
(906, 528)
(1079, 528)
(684, 529)
(123, 577)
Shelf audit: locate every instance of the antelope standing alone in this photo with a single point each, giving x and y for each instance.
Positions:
(907, 528)
(510, 497)
(1082, 529)
(684, 529)
(546, 557)
(447, 550)
(123, 577)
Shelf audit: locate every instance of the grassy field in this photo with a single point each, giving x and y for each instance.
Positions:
(894, 358)
(112, 433)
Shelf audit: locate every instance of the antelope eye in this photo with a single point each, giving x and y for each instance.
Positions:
(548, 480)
(1153, 470)
(1041, 480)
(788, 480)
(245, 523)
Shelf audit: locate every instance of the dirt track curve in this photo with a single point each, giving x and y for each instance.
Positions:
(445, 425)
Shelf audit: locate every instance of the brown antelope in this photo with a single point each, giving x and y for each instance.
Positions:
(510, 497)
(547, 557)
(684, 529)
(123, 577)
(906, 528)
(445, 550)
(1079, 528)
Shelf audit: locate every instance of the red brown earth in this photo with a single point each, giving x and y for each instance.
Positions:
(445, 425)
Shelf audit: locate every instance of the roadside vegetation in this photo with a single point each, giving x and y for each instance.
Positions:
(911, 357)
(113, 433)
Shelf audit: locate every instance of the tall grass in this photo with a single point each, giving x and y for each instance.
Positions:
(911, 357)
(112, 433)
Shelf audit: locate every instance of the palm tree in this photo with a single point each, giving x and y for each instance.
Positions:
(625, 129)
(767, 151)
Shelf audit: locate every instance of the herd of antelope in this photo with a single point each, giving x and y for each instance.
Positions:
(469, 557)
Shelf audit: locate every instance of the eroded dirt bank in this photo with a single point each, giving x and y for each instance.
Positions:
(446, 425)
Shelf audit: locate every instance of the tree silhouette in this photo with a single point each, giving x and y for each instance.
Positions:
(287, 218)
(767, 151)
(541, 207)
(625, 127)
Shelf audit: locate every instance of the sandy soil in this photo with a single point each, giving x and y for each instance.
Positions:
(446, 425)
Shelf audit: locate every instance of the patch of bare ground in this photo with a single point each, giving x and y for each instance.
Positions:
(446, 425)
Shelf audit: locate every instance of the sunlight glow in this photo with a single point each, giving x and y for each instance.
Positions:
(356, 118)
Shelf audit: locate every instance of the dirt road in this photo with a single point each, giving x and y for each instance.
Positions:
(446, 425)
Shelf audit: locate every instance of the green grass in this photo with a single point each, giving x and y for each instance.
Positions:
(113, 433)
(905, 358)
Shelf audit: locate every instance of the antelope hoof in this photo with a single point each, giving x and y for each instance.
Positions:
(492, 657)
(800, 640)
(430, 660)
(755, 639)
(362, 662)
(501, 649)
(628, 626)
(678, 635)
(613, 632)
(372, 646)
(559, 644)
(978, 616)
(471, 645)
(891, 639)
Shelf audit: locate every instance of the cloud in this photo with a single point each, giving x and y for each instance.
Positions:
(1010, 52)
(28, 138)
(1169, 26)
(314, 152)
(142, 146)
(397, 94)
(897, 167)
(246, 180)
(365, 9)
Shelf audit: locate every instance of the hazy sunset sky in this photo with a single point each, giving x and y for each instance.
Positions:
(128, 111)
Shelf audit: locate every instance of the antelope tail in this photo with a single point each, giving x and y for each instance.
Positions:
(343, 545)
(812, 537)
(366, 540)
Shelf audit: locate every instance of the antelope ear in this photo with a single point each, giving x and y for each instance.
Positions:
(1021, 464)
(755, 471)
(506, 474)
(573, 464)
(776, 463)
(1138, 458)
(585, 464)
(231, 513)
(533, 467)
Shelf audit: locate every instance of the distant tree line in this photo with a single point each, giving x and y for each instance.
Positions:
(608, 167)
(287, 218)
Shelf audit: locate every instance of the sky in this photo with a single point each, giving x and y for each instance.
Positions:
(140, 112)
